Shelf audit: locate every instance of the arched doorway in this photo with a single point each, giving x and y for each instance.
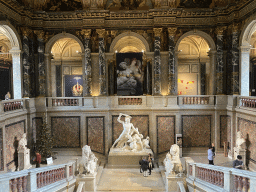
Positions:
(10, 45)
(247, 59)
(195, 63)
(65, 64)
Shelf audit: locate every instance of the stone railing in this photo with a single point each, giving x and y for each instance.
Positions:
(130, 101)
(216, 178)
(12, 105)
(56, 102)
(196, 100)
(38, 178)
(249, 102)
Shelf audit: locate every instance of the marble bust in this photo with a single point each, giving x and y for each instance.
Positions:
(172, 160)
(130, 139)
(88, 162)
(23, 143)
(23, 154)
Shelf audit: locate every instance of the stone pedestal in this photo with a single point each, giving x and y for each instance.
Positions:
(171, 182)
(241, 152)
(126, 159)
(89, 181)
(24, 159)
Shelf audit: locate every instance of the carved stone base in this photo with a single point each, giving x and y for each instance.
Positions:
(89, 180)
(24, 159)
(171, 183)
(126, 159)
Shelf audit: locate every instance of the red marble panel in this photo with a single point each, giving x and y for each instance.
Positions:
(95, 134)
(225, 129)
(11, 131)
(196, 130)
(248, 130)
(66, 131)
(165, 133)
(139, 121)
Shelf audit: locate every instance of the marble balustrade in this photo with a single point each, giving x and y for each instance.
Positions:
(247, 102)
(12, 105)
(216, 178)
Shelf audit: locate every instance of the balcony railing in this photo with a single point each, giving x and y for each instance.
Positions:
(12, 105)
(248, 102)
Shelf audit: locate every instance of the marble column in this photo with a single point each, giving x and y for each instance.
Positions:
(172, 69)
(235, 61)
(157, 62)
(25, 61)
(87, 64)
(220, 61)
(244, 70)
(47, 58)
(111, 69)
(102, 63)
(149, 77)
(41, 64)
(212, 79)
(17, 91)
(202, 77)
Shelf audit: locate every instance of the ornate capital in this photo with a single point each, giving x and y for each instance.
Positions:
(25, 31)
(172, 31)
(86, 33)
(157, 32)
(113, 33)
(245, 49)
(101, 32)
(40, 34)
(220, 30)
(235, 27)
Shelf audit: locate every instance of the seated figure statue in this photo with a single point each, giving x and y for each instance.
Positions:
(172, 161)
(88, 162)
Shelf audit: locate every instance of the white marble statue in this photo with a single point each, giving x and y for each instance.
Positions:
(130, 138)
(172, 161)
(88, 162)
(23, 143)
(23, 154)
(239, 140)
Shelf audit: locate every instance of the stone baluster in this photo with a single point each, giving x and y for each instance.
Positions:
(102, 63)
(235, 61)
(87, 64)
(157, 62)
(41, 63)
(220, 61)
(172, 68)
(26, 65)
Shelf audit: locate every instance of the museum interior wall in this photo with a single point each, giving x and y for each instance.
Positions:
(182, 67)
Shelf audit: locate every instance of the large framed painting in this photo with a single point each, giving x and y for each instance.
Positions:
(129, 74)
(73, 86)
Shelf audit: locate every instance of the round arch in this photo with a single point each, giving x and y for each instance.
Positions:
(11, 33)
(140, 40)
(245, 44)
(207, 37)
(59, 36)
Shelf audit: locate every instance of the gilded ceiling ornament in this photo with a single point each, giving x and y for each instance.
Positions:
(26, 31)
(114, 33)
(40, 34)
(172, 31)
(220, 30)
(157, 32)
(86, 33)
(101, 32)
(235, 27)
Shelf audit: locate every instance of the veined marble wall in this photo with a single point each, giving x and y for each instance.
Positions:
(196, 130)
(139, 121)
(15, 129)
(66, 131)
(95, 134)
(36, 127)
(165, 133)
(225, 129)
(249, 134)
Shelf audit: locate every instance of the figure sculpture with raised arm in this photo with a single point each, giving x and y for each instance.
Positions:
(88, 162)
(172, 161)
(130, 138)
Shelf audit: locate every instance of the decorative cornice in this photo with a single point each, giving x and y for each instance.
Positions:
(172, 31)
(157, 32)
(101, 32)
(86, 33)
(220, 30)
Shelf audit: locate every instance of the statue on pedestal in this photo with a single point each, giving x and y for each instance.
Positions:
(172, 161)
(23, 154)
(88, 162)
(239, 140)
(130, 138)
